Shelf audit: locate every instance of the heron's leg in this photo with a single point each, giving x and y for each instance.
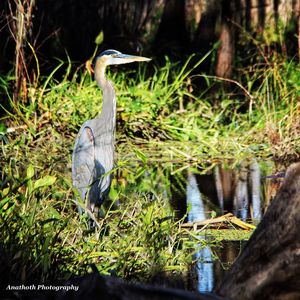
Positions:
(79, 210)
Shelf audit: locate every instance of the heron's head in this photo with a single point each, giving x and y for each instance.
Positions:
(114, 57)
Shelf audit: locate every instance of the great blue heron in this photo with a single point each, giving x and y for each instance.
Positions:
(93, 155)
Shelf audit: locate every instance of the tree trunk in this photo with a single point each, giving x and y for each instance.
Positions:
(226, 50)
(269, 266)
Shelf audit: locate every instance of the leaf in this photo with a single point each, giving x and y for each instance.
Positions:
(4, 203)
(45, 181)
(29, 186)
(5, 192)
(29, 172)
(29, 175)
(213, 214)
(147, 218)
(99, 38)
(3, 129)
(53, 213)
(141, 155)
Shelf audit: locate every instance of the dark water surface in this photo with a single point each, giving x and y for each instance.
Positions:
(242, 189)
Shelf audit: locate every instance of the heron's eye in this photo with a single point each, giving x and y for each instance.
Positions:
(114, 55)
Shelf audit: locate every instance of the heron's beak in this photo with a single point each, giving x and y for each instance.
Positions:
(125, 59)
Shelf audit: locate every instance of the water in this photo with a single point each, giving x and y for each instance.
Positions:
(204, 265)
(243, 190)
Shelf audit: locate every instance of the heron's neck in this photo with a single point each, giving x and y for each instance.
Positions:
(108, 114)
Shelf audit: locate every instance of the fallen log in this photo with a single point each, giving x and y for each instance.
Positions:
(269, 266)
(225, 219)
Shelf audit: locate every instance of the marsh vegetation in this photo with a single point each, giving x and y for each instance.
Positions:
(171, 119)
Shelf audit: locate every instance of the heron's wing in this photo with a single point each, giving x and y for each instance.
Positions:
(83, 161)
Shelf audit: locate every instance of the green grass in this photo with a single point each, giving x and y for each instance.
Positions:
(165, 124)
(39, 223)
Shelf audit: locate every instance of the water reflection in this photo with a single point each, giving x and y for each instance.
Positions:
(226, 253)
(204, 265)
(242, 189)
(239, 190)
(255, 180)
(241, 200)
(194, 200)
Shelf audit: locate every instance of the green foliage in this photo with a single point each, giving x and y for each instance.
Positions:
(164, 126)
(40, 224)
(31, 229)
